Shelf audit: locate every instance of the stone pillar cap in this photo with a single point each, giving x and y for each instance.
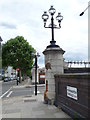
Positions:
(53, 49)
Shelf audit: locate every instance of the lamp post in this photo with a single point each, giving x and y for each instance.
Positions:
(0, 39)
(17, 72)
(36, 55)
(45, 17)
(0, 55)
(84, 11)
(0, 42)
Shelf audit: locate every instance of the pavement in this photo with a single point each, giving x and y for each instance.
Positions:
(30, 107)
(27, 83)
(0, 81)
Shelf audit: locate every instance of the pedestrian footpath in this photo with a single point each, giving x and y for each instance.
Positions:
(27, 83)
(30, 107)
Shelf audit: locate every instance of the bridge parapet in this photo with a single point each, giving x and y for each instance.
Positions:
(73, 94)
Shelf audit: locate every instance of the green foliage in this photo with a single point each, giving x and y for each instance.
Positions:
(17, 52)
(3, 77)
(0, 57)
(75, 116)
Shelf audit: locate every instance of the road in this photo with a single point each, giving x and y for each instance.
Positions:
(26, 91)
(9, 89)
(5, 87)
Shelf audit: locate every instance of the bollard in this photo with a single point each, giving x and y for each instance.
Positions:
(45, 93)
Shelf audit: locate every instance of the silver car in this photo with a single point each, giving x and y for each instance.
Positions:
(6, 79)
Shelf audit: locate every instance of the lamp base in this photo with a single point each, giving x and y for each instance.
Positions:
(52, 44)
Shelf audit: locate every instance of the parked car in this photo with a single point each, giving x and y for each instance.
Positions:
(6, 79)
(11, 78)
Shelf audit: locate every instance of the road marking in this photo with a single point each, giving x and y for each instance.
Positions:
(9, 94)
(37, 91)
(5, 93)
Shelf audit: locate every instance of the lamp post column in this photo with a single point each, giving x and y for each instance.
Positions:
(35, 75)
(1, 55)
(17, 72)
(52, 23)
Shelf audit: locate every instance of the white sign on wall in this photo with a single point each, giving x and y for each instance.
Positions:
(72, 92)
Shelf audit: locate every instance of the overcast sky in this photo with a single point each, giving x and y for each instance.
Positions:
(23, 18)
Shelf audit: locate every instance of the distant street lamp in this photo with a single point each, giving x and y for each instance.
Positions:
(36, 55)
(17, 72)
(0, 42)
(45, 17)
(0, 39)
(84, 11)
(1, 54)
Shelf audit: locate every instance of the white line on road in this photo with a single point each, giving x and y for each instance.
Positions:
(9, 94)
(5, 93)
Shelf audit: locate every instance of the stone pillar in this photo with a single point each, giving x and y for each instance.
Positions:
(54, 65)
(33, 75)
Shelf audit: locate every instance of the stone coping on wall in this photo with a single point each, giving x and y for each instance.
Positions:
(74, 75)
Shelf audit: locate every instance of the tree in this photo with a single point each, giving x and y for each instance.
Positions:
(0, 56)
(17, 52)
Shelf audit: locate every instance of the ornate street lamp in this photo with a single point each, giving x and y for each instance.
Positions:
(59, 18)
(17, 72)
(36, 55)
